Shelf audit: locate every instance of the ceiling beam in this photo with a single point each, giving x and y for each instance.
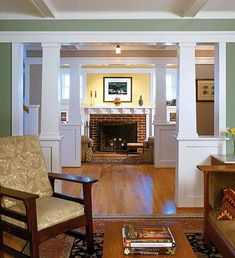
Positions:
(43, 8)
(193, 7)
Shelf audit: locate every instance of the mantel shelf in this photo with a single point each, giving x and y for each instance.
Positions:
(118, 110)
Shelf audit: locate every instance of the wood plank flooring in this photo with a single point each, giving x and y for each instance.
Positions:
(129, 190)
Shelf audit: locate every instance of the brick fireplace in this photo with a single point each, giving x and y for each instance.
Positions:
(114, 119)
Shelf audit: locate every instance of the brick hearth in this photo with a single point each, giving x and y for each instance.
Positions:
(95, 118)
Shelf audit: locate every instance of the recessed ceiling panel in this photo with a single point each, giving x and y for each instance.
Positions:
(19, 7)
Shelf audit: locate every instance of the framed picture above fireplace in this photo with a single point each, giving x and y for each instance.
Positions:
(120, 87)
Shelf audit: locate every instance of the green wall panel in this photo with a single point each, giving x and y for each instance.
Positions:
(230, 114)
(5, 89)
(119, 25)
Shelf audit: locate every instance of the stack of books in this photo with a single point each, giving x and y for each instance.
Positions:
(148, 239)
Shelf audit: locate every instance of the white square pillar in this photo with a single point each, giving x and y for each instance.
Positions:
(186, 91)
(220, 91)
(50, 135)
(160, 94)
(17, 89)
(71, 142)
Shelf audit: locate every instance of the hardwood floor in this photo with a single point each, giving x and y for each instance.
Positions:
(129, 190)
(124, 190)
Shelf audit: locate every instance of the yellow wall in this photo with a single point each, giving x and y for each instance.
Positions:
(140, 85)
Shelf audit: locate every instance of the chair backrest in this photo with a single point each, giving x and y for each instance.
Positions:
(22, 167)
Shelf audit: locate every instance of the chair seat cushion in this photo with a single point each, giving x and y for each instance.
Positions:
(50, 211)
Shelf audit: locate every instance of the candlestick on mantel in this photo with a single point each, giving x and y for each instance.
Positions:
(95, 94)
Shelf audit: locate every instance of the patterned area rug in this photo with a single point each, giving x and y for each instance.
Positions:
(195, 239)
(64, 246)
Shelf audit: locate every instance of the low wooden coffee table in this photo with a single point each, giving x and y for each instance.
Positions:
(113, 242)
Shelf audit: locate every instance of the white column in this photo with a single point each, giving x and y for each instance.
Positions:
(50, 91)
(71, 142)
(161, 94)
(160, 114)
(189, 182)
(17, 89)
(220, 90)
(74, 99)
(186, 91)
(50, 135)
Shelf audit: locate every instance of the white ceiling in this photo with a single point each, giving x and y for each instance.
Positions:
(116, 9)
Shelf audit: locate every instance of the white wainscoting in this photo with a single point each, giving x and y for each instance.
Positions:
(189, 181)
(164, 145)
(71, 145)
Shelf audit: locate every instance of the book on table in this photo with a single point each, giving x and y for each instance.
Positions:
(147, 239)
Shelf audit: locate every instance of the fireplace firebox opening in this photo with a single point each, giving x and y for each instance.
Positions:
(115, 136)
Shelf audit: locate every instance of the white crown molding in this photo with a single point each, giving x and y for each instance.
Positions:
(215, 15)
(117, 36)
(120, 15)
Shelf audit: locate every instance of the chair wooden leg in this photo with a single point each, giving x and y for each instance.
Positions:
(207, 241)
(32, 227)
(89, 238)
(1, 242)
(88, 212)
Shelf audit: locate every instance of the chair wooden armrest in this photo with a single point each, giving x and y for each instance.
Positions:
(16, 194)
(72, 178)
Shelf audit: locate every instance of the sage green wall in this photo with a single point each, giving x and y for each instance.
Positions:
(5, 89)
(230, 114)
(119, 25)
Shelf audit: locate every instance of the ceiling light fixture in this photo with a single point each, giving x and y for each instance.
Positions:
(118, 50)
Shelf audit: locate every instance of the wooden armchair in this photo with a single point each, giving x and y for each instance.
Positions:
(30, 209)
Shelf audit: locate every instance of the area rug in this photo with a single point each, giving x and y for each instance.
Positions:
(64, 246)
(118, 158)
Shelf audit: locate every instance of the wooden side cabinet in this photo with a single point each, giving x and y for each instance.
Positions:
(216, 178)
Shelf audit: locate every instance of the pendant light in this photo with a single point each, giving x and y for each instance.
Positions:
(118, 50)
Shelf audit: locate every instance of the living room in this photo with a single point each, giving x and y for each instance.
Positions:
(190, 148)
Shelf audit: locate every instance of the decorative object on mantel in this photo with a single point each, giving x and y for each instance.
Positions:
(232, 132)
(117, 101)
(91, 97)
(141, 101)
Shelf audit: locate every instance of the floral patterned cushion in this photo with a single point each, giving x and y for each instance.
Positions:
(227, 209)
(22, 167)
(50, 211)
